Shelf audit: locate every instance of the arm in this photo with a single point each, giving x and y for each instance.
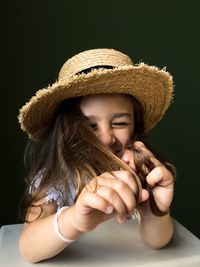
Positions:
(38, 240)
(156, 231)
(106, 196)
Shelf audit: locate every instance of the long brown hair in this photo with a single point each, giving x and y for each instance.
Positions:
(70, 152)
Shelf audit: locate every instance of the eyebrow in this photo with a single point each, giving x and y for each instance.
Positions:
(115, 116)
(119, 115)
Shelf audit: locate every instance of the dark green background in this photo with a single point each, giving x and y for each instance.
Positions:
(38, 36)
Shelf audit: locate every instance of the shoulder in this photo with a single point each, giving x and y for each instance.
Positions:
(40, 209)
(50, 199)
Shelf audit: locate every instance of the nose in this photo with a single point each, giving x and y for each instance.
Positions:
(106, 136)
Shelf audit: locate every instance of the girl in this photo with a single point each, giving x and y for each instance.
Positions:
(87, 161)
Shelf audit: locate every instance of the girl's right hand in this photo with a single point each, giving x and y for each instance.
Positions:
(106, 196)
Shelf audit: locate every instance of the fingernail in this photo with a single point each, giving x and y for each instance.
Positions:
(123, 220)
(109, 209)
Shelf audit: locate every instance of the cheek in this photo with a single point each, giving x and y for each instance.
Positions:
(124, 136)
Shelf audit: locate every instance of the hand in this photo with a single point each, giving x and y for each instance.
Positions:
(106, 196)
(160, 179)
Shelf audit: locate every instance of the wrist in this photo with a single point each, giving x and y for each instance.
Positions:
(67, 224)
(146, 213)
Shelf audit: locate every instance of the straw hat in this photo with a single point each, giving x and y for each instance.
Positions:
(114, 73)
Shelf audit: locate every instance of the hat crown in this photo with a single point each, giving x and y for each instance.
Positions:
(91, 59)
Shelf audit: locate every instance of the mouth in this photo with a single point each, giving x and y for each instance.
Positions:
(118, 153)
(117, 149)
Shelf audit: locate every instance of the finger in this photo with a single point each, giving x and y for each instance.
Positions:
(161, 176)
(123, 191)
(132, 180)
(147, 152)
(144, 195)
(128, 178)
(139, 144)
(115, 200)
(90, 201)
(128, 159)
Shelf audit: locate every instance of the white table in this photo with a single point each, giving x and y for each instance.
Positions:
(110, 244)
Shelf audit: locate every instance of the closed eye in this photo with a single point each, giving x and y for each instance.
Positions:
(120, 124)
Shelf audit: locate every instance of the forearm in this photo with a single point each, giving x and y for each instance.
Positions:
(38, 240)
(156, 231)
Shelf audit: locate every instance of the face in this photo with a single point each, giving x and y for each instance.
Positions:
(111, 117)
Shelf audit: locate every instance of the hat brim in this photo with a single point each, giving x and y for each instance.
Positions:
(153, 87)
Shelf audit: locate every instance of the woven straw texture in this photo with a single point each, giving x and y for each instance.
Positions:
(153, 87)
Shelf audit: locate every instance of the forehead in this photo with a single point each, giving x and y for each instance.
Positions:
(107, 102)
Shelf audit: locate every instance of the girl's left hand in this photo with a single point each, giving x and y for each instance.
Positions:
(159, 179)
